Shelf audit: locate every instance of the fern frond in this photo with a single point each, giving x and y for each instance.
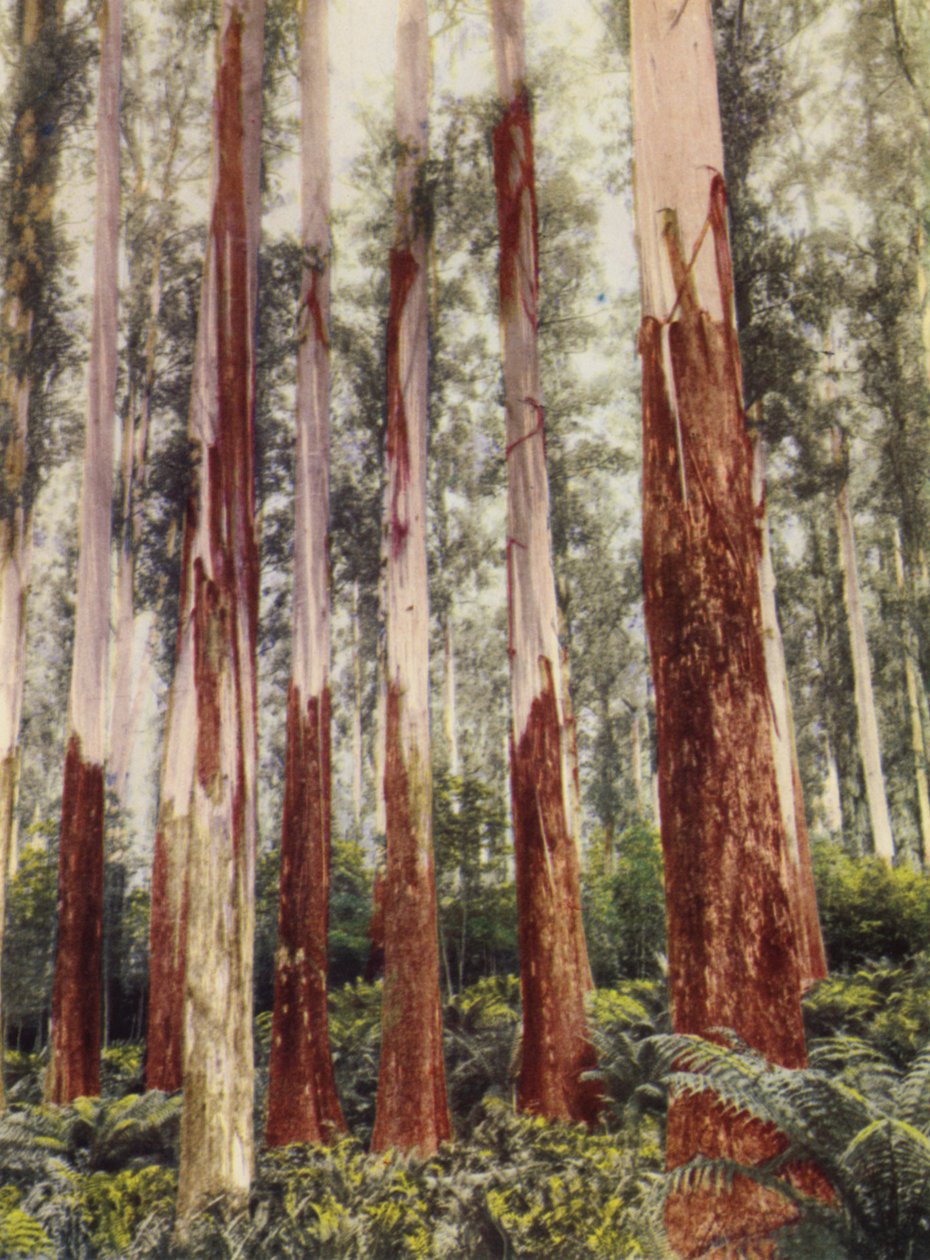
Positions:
(913, 1093)
(888, 1171)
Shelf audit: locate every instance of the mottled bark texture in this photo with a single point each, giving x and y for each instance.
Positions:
(302, 1102)
(209, 787)
(411, 1111)
(554, 971)
(74, 1068)
(732, 934)
(76, 993)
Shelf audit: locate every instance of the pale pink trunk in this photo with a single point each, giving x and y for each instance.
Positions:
(208, 789)
(912, 685)
(869, 742)
(411, 1111)
(302, 1102)
(74, 1068)
(784, 750)
(554, 972)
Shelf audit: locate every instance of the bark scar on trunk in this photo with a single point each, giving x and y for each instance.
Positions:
(404, 268)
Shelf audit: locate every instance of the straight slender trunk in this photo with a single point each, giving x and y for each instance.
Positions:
(29, 266)
(208, 787)
(554, 972)
(74, 1067)
(784, 749)
(302, 1102)
(357, 766)
(912, 683)
(411, 1111)
(832, 806)
(869, 744)
(732, 937)
(127, 679)
(450, 706)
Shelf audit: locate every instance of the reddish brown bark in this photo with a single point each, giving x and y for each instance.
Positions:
(403, 274)
(732, 940)
(302, 1101)
(167, 945)
(412, 1110)
(556, 1046)
(375, 965)
(74, 1069)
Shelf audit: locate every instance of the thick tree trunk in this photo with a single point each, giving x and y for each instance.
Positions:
(784, 751)
(869, 744)
(216, 659)
(554, 972)
(74, 1068)
(411, 1110)
(732, 938)
(912, 683)
(302, 1102)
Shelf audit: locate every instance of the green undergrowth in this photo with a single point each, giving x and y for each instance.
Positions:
(517, 1187)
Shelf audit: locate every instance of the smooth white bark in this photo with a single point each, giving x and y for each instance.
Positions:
(918, 745)
(88, 709)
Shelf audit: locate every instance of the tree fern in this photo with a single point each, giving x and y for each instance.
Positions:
(871, 1143)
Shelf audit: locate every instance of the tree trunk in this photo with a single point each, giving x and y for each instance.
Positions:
(450, 706)
(869, 745)
(29, 268)
(126, 680)
(554, 972)
(74, 1067)
(357, 765)
(732, 938)
(918, 746)
(411, 1110)
(302, 1102)
(213, 808)
(784, 750)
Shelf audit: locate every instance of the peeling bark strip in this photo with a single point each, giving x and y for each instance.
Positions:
(556, 1047)
(302, 1102)
(76, 999)
(554, 971)
(412, 1112)
(209, 776)
(515, 181)
(404, 269)
(74, 1069)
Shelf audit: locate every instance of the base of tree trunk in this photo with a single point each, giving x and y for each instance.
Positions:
(302, 1101)
(74, 1068)
(412, 1112)
(557, 1049)
(167, 945)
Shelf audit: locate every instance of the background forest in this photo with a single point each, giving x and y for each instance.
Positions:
(825, 111)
